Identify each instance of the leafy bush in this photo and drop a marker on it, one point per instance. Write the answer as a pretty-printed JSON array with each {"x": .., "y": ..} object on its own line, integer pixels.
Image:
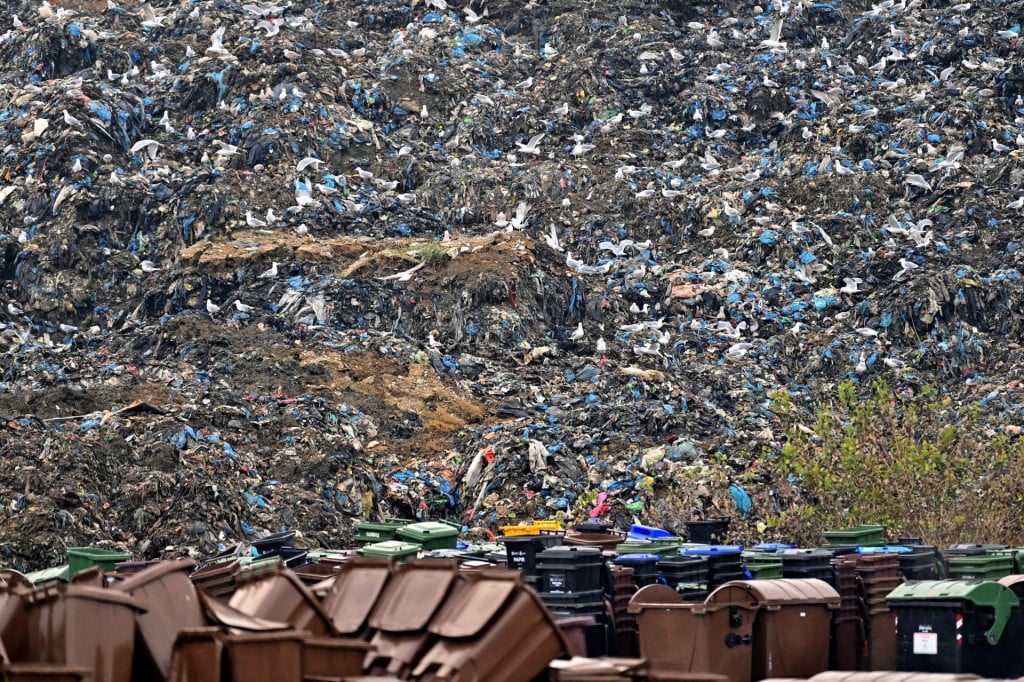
[{"x": 921, "y": 467}]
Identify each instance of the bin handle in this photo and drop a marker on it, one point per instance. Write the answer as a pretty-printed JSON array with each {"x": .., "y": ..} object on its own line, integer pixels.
[{"x": 1003, "y": 606}]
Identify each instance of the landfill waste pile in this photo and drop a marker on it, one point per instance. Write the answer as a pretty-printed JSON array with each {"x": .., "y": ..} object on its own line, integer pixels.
[{"x": 292, "y": 265}]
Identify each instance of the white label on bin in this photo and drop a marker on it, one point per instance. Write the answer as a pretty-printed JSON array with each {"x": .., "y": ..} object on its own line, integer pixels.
[{"x": 926, "y": 643}]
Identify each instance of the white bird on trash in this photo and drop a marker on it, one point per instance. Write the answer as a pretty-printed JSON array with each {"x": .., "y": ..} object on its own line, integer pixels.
[
  {"x": 531, "y": 146},
  {"x": 600, "y": 346},
  {"x": 518, "y": 221},
  {"x": 242, "y": 307},
  {"x": 906, "y": 266},
  {"x": 217, "y": 48},
  {"x": 150, "y": 146},
  {"x": 916, "y": 180},
  {"x": 71, "y": 120},
  {"x": 150, "y": 19},
  {"x": 774, "y": 43},
  {"x": 1016, "y": 204},
  {"x": 852, "y": 285},
  {"x": 253, "y": 221},
  {"x": 271, "y": 272},
  {"x": 578, "y": 333},
  {"x": 551, "y": 238},
  {"x": 212, "y": 307},
  {"x": 149, "y": 266}
]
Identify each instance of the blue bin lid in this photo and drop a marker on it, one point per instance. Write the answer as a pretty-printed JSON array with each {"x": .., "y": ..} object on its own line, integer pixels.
[
  {"x": 638, "y": 532},
  {"x": 772, "y": 546},
  {"x": 885, "y": 549},
  {"x": 638, "y": 557},
  {"x": 713, "y": 549}
]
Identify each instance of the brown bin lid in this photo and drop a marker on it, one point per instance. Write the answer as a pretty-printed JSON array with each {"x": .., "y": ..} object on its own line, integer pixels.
[
  {"x": 475, "y": 605},
  {"x": 776, "y": 593},
  {"x": 654, "y": 596},
  {"x": 413, "y": 595},
  {"x": 1011, "y": 580},
  {"x": 229, "y": 617},
  {"x": 85, "y": 592},
  {"x": 355, "y": 591},
  {"x": 152, "y": 574}
]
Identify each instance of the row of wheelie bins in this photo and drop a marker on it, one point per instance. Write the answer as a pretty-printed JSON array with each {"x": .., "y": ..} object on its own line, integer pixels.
[{"x": 753, "y": 630}]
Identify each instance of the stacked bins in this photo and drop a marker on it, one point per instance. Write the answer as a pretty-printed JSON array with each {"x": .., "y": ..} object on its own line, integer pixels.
[
  {"x": 959, "y": 626},
  {"x": 623, "y": 586},
  {"x": 594, "y": 534},
  {"x": 725, "y": 563},
  {"x": 847, "y": 621},
  {"x": 521, "y": 552},
  {"x": 877, "y": 576},
  {"x": 645, "y": 567},
  {"x": 713, "y": 636},
  {"x": 686, "y": 574},
  {"x": 90, "y": 627},
  {"x": 980, "y": 562},
  {"x": 762, "y": 565},
  {"x": 570, "y": 583},
  {"x": 856, "y": 536},
  {"x": 708, "y": 531},
  {"x": 807, "y": 563},
  {"x": 921, "y": 562}
]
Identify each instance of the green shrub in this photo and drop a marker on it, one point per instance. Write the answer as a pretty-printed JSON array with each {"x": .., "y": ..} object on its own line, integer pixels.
[{"x": 921, "y": 467}]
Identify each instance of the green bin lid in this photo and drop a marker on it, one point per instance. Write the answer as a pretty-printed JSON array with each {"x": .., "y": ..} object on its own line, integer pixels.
[
  {"x": 395, "y": 548},
  {"x": 979, "y": 592},
  {"x": 427, "y": 529}
]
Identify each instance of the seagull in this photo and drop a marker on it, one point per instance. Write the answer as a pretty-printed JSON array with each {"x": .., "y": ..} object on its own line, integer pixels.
[
  {"x": 71, "y": 120},
  {"x": 773, "y": 42},
  {"x": 518, "y": 221},
  {"x": 151, "y": 147},
  {"x": 600, "y": 346},
  {"x": 242, "y": 307},
  {"x": 212, "y": 307},
  {"x": 149, "y": 266},
  {"x": 577, "y": 333},
  {"x": 364, "y": 174},
  {"x": 581, "y": 148},
  {"x": 271, "y": 272},
  {"x": 253, "y": 221},
  {"x": 217, "y": 45},
  {"x": 471, "y": 16},
  {"x": 916, "y": 180},
  {"x": 710, "y": 162},
  {"x": 551, "y": 239},
  {"x": 852, "y": 285},
  {"x": 531, "y": 146},
  {"x": 866, "y": 331},
  {"x": 906, "y": 266},
  {"x": 150, "y": 18},
  {"x": 1016, "y": 204}
]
